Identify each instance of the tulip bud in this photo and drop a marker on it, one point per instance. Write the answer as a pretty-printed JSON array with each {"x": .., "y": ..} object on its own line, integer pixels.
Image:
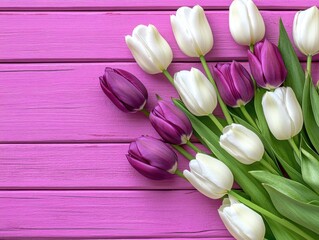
[
  {"x": 124, "y": 90},
  {"x": 267, "y": 65},
  {"x": 242, "y": 222},
  {"x": 150, "y": 50},
  {"x": 234, "y": 83},
  {"x": 192, "y": 31},
  {"x": 306, "y": 31},
  {"x": 242, "y": 143},
  {"x": 209, "y": 176},
  {"x": 283, "y": 113},
  {"x": 152, "y": 158},
  {"x": 171, "y": 123},
  {"x": 196, "y": 91},
  {"x": 245, "y": 22}
]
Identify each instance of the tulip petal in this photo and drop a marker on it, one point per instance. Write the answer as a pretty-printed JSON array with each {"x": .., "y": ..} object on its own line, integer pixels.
[
  {"x": 200, "y": 184},
  {"x": 215, "y": 171},
  {"x": 125, "y": 91},
  {"x": 141, "y": 55},
  {"x": 242, "y": 143},
  {"x": 271, "y": 65},
  {"x": 201, "y": 31},
  {"x": 182, "y": 33},
  {"x": 239, "y": 23},
  {"x": 243, "y": 85},
  {"x": 276, "y": 115},
  {"x": 112, "y": 97},
  {"x": 148, "y": 170},
  {"x": 256, "y": 69},
  {"x": 294, "y": 111},
  {"x": 256, "y": 22}
]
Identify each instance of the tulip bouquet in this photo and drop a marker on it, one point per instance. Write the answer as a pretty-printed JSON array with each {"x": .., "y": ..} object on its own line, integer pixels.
[{"x": 267, "y": 137}]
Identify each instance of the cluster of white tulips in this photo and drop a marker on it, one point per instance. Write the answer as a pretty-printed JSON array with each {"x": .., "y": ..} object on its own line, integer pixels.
[{"x": 266, "y": 138}]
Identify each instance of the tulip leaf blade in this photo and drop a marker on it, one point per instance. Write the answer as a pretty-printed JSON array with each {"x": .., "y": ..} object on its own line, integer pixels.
[
  {"x": 314, "y": 99},
  {"x": 304, "y": 214},
  {"x": 308, "y": 114},
  {"x": 310, "y": 166},
  {"x": 295, "y": 74},
  {"x": 289, "y": 187}
]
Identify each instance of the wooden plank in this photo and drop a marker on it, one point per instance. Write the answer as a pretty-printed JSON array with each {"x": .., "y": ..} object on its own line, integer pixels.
[
  {"x": 99, "y": 36},
  {"x": 75, "y": 166},
  {"x": 64, "y": 103},
  {"x": 142, "y": 4},
  {"x": 109, "y": 214}
]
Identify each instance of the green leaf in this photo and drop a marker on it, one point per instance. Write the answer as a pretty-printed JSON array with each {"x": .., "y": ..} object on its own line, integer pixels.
[
  {"x": 301, "y": 213},
  {"x": 289, "y": 187},
  {"x": 292, "y": 199},
  {"x": 310, "y": 166},
  {"x": 286, "y": 158},
  {"x": 295, "y": 76},
  {"x": 309, "y": 120},
  {"x": 314, "y": 98}
]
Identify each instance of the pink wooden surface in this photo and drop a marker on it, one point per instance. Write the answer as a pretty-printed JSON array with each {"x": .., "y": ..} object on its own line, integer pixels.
[
  {"x": 143, "y": 4},
  {"x": 105, "y": 214},
  {"x": 63, "y": 173},
  {"x": 99, "y": 36}
]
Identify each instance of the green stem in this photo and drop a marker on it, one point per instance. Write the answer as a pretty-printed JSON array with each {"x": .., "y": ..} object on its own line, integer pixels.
[
  {"x": 221, "y": 103},
  {"x": 169, "y": 76},
  {"x": 271, "y": 162},
  {"x": 146, "y": 113},
  {"x": 183, "y": 152},
  {"x": 309, "y": 60},
  {"x": 179, "y": 173},
  {"x": 247, "y": 116},
  {"x": 270, "y": 215},
  {"x": 251, "y": 48},
  {"x": 216, "y": 122},
  {"x": 268, "y": 166},
  {"x": 192, "y": 146},
  {"x": 294, "y": 147}
]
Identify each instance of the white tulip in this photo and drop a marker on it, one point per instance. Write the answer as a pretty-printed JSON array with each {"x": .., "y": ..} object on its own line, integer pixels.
[
  {"x": 242, "y": 222},
  {"x": 306, "y": 31},
  {"x": 242, "y": 143},
  {"x": 283, "y": 113},
  {"x": 150, "y": 50},
  {"x": 245, "y": 22},
  {"x": 196, "y": 91},
  {"x": 209, "y": 176},
  {"x": 192, "y": 31}
]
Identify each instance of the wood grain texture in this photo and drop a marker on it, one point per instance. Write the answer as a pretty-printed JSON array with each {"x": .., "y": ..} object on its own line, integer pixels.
[
  {"x": 99, "y": 36},
  {"x": 109, "y": 214},
  {"x": 64, "y": 103},
  {"x": 20, "y": 5},
  {"x": 75, "y": 166}
]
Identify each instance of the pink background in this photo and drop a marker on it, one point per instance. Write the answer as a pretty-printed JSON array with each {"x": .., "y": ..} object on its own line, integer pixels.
[{"x": 63, "y": 173}]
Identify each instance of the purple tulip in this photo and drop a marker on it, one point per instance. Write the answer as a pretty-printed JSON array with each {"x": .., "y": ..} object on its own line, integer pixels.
[
  {"x": 234, "y": 83},
  {"x": 152, "y": 158},
  {"x": 171, "y": 123},
  {"x": 124, "y": 90},
  {"x": 267, "y": 65}
]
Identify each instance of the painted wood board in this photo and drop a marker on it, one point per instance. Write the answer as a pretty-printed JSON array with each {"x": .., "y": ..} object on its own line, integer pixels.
[
  {"x": 142, "y": 4},
  {"x": 99, "y": 36},
  {"x": 76, "y": 166},
  {"x": 64, "y": 103},
  {"x": 109, "y": 214}
]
